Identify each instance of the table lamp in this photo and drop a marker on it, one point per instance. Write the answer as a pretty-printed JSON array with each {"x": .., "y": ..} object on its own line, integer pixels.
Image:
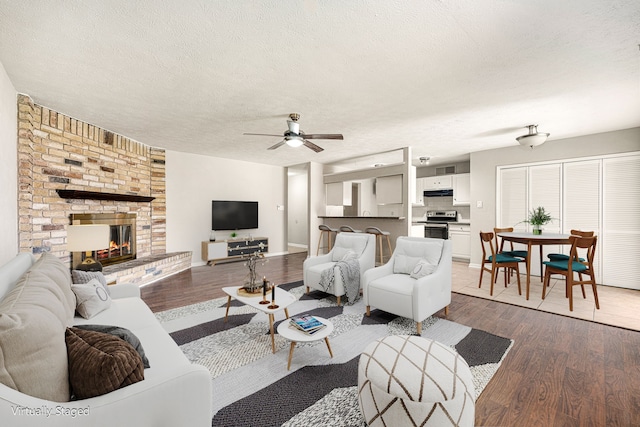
[{"x": 88, "y": 238}]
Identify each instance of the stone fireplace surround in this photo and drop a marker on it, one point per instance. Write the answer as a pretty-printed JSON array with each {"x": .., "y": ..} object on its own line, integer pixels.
[{"x": 58, "y": 153}]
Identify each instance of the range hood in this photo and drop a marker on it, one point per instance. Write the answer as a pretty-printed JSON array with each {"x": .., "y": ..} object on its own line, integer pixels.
[{"x": 438, "y": 193}]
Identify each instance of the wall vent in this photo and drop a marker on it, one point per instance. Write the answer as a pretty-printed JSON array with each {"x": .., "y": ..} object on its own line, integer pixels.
[{"x": 446, "y": 170}]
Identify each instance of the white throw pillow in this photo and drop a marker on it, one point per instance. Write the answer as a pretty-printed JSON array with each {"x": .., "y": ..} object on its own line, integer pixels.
[
  {"x": 423, "y": 268},
  {"x": 350, "y": 242},
  {"x": 350, "y": 255},
  {"x": 92, "y": 298}
]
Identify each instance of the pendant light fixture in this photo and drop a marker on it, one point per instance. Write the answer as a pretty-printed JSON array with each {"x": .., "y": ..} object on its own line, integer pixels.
[{"x": 533, "y": 139}]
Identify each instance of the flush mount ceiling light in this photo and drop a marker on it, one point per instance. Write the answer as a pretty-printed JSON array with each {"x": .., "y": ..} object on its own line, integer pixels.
[
  {"x": 533, "y": 139},
  {"x": 424, "y": 160}
]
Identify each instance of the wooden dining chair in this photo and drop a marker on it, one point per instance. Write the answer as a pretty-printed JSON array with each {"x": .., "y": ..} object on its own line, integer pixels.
[
  {"x": 573, "y": 265},
  {"x": 510, "y": 249},
  {"x": 497, "y": 261},
  {"x": 564, "y": 257}
]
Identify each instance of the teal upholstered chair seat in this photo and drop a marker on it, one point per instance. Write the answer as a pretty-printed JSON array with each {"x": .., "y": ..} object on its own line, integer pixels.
[
  {"x": 561, "y": 257},
  {"x": 576, "y": 266},
  {"x": 502, "y": 258},
  {"x": 518, "y": 254}
]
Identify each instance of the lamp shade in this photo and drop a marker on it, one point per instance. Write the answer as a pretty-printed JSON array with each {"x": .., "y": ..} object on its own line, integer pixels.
[{"x": 90, "y": 237}]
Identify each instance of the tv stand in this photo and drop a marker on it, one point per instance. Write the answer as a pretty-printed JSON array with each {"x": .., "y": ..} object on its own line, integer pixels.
[{"x": 233, "y": 249}]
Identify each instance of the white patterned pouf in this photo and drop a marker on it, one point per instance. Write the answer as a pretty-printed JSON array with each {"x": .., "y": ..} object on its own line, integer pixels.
[{"x": 406, "y": 380}]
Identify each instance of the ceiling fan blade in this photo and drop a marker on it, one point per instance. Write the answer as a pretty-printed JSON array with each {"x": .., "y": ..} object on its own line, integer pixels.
[
  {"x": 312, "y": 146},
  {"x": 262, "y": 134},
  {"x": 324, "y": 136},
  {"x": 274, "y": 146}
]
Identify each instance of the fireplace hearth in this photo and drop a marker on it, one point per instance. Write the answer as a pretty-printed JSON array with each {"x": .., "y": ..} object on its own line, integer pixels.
[{"x": 122, "y": 245}]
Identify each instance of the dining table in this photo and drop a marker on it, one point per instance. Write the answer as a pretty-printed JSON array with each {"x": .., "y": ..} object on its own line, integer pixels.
[{"x": 530, "y": 240}]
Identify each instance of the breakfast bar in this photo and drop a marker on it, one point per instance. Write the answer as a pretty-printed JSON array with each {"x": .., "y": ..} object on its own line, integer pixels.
[{"x": 395, "y": 225}]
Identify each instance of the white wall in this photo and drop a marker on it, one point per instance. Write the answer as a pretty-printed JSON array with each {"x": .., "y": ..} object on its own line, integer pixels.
[
  {"x": 9, "y": 169},
  {"x": 193, "y": 181},
  {"x": 484, "y": 166}
]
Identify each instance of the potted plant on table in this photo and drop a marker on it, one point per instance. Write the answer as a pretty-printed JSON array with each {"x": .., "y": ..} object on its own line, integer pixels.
[{"x": 537, "y": 218}]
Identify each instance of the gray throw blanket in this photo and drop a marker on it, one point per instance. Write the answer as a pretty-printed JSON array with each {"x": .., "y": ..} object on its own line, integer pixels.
[{"x": 350, "y": 274}]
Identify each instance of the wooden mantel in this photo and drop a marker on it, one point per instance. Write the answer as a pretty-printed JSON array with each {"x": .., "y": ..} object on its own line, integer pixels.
[{"x": 96, "y": 195}]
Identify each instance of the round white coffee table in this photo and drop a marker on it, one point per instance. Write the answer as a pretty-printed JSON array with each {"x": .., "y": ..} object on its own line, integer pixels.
[{"x": 295, "y": 335}]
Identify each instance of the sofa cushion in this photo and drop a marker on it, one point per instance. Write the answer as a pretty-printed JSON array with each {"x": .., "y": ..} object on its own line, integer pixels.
[
  {"x": 409, "y": 252},
  {"x": 92, "y": 298},
  {"x": 33, "y": 318},
  {"x": 100, "y": 363},
  {"x": 122, "y": 333}
]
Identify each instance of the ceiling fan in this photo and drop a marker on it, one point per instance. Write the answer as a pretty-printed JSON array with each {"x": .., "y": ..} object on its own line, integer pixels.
[{"x": 294, "y": 137}]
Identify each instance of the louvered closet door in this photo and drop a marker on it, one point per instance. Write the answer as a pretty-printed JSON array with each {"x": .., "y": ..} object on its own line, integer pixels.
[
  {"x": 544, "y": 190},
  {"x": 581, "y": 203},
  {"x": 620, "y": 246},
  {"x": 512, "y": 198}
]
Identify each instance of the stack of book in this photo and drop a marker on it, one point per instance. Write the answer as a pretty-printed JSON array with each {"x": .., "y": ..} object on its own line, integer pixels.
[{"x": 307, "y": 324}]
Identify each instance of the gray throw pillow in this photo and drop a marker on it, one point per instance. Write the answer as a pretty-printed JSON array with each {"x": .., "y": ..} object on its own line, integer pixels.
[
  {"x": 122, "y": 333},
  {"x": 80, "y": 277}
]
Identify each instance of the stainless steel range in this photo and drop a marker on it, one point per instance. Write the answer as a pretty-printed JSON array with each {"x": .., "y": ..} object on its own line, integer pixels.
[{"x": 437, "y": 225}]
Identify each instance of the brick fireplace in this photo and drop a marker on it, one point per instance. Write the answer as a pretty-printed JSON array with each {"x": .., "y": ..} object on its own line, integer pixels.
[{"x": 100, "y": 173}]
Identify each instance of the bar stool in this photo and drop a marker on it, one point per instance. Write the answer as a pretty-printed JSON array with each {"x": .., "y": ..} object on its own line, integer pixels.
[
  {"x": 379, "y": 234},
  {"x": 328, "y": 230},
  {"x": 347, "y": 229}
]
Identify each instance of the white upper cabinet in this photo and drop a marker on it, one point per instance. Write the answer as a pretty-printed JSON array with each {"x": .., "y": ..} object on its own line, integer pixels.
[
  {"x": 389, "y": 190},
  {"x": 462, "y": 189},
  {"x": 420, "y": 191},
  {"x": 442, "y": 182}
]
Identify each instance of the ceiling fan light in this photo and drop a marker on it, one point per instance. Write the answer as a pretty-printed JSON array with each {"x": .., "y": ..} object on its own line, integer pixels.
[
  {"x": 294, "y": 141},
  {"x": 533, "y": 139}
]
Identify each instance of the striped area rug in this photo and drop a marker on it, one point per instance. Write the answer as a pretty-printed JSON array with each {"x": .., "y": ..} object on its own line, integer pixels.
[{"x": 252, "y": 386}]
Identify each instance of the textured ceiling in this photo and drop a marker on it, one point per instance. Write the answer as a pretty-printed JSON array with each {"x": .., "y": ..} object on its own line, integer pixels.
[{"x": 444, "y": 77}]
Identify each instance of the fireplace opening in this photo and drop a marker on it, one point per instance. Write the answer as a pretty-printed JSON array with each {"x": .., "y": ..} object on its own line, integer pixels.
[{"x": 122, "y": 232}]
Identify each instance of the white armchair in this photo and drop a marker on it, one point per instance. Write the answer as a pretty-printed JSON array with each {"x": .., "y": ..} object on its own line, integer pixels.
[
  {"x": 415, "y": 283},
  {"x": 362, "y": 244}
]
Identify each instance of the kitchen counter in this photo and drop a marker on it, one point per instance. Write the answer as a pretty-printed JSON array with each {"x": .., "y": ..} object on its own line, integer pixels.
[{"x": 364, "y": 217}]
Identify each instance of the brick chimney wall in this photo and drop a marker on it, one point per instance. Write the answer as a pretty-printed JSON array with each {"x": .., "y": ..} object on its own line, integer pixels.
[{"x": 59, "y": 152}]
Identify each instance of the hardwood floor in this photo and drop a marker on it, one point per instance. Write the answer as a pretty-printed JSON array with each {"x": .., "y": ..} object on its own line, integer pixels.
[{"x": 561, "y": 371}]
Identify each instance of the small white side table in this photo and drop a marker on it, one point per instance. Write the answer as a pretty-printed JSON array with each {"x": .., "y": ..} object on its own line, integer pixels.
[
  {"x": 283, "y": 300},
  {"x": 296, "y": 335}
]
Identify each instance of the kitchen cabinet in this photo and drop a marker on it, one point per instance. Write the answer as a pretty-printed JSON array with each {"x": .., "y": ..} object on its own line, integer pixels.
[
  {"x": 460, "y": 236},
  {"x": 420, "y": 182},
  {"x": 389, "y": 190},
  {"x": 339, "y": 194},
  {"x": 442, "y": 182},
  {"x": 462, "y": 189}
]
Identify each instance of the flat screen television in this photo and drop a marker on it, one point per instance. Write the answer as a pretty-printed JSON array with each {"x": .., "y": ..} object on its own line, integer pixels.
[{"x": 233, "y": 215}]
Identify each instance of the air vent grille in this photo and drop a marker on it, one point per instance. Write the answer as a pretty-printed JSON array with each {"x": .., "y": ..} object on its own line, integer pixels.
[{"x": 446, "y": 170}]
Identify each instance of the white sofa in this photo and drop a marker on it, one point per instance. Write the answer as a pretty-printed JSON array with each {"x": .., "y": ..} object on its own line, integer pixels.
[
  {"x": 174, "y": 391},
  {"x": 403, "y": 288},
  {"x": 363, "y": 245}
]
